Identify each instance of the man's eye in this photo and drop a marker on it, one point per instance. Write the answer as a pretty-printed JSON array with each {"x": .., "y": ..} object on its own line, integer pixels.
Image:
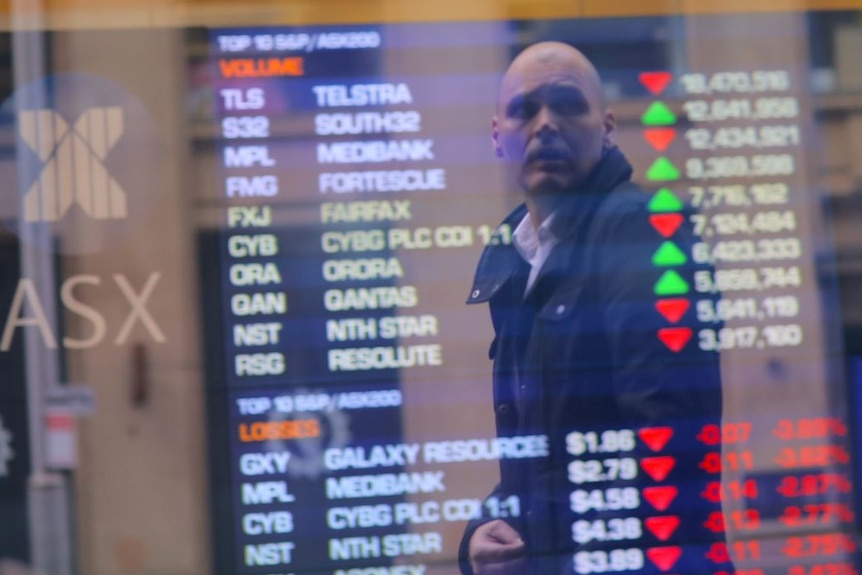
[
  {"x": 521, "y": 109},
  {"x": 570, "y": 106},
  {"x": 568, "y": 102}
]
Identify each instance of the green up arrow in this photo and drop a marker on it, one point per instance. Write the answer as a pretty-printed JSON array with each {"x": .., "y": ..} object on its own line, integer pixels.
[
  {"x": 671, "y": 283},
  {"x": 665, "y": 201},
  {"x": 668, "y": 254},
  {"x": 658, "y": 114},
  {"x": 662, "y": 170}
]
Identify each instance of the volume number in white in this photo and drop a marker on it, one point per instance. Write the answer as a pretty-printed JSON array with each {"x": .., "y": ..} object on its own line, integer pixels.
[
  {"x": 775, "y": 108},
  {"x": 737, "y": 137},
  {"x": 736, "y": 195},
  {"x": 750, "y": 337},
  {"x": 733, "y": 251},
  {"x": 747, "y": 308},
  {"x": 726, "y": 224},
  {"x": 744, "y": 279},
  {"x": 736, "y": 82},
  {"x": 740, "y": 166}
]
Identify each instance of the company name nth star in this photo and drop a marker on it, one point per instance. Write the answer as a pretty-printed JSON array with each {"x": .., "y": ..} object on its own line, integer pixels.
[{"x": 78, "y": 168}]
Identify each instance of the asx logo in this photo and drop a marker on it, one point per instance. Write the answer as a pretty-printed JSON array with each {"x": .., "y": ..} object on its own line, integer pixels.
[{"x": 74, "y": 171}]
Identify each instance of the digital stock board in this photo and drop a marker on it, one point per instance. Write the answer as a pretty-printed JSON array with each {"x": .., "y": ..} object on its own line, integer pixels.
[{"x": 356, "y": 189}]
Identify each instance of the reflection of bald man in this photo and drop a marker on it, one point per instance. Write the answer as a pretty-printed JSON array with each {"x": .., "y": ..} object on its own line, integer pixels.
[
  {"x": 571, "y": 301},
  {"x": 552, "y": 125}
]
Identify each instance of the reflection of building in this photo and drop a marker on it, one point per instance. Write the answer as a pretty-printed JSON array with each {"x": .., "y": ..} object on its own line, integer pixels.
[
  {"x": 140, "y": 491},
  {"x": 137, "y": 500}
]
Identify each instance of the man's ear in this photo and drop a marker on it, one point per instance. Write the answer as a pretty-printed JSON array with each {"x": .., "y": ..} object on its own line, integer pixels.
[
  {"x": 495, "y": 137},
  {"x": 610, "y": 122}
]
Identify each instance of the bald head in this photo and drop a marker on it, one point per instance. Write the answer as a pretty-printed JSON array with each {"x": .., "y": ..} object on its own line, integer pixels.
[
  {"x": 553, "y": 56},
  {"x": 552, "y": 124}
]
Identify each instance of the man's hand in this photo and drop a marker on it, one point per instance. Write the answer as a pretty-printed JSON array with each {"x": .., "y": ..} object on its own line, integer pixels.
[{"x": 497, "y": 549}]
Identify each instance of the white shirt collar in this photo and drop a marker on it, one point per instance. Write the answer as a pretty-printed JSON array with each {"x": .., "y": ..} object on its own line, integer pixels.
[
  {"x": 534, "y": 245},
  {"x": 528, "y": 239}
]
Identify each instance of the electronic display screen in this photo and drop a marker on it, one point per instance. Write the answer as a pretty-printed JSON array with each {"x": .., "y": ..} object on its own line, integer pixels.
[{"x": 357, "y": 187}]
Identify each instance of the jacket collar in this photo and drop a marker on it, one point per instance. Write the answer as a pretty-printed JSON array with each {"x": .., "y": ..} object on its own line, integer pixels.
[
  {"x": 500, "y": 262},
  {"x": 579, "y": 204}
]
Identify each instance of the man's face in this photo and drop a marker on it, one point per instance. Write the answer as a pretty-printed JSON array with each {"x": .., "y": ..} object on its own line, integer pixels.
[{"x": 552, "y": 126}]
